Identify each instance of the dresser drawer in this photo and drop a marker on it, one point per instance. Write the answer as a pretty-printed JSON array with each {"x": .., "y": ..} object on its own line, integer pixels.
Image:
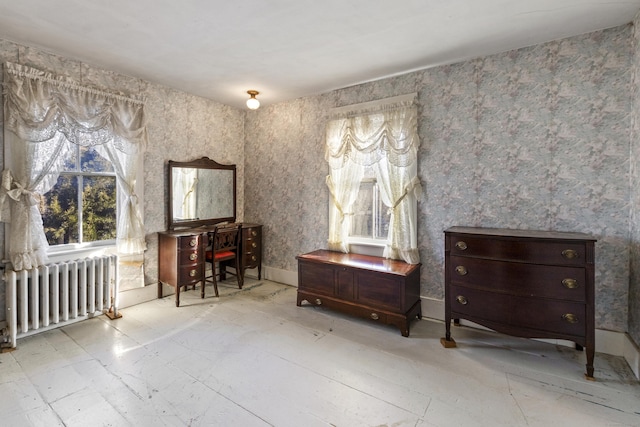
[
  {"x": 566, "y": 283},
  {"x": 521, "y": 312},
  {"x": 543, "y": 252}
]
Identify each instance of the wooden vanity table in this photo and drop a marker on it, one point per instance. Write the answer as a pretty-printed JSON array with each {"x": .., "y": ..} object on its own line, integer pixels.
[
  {"x": 181, "y": 255},
  {"x": 202, "y": 194}
]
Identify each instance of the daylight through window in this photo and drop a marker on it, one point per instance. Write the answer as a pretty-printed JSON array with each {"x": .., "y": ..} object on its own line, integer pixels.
[{"x": 81, "y": 207}]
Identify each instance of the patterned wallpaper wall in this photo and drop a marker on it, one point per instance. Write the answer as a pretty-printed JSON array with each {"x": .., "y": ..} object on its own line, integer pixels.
[
  {"x": 634, "y": 284},
  {"x": 181, "y": 127},
  {"x": 536, "y": 138}
]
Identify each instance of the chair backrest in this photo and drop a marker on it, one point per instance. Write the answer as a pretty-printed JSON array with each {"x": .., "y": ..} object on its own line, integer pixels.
[{"x": 226, "y": 238}]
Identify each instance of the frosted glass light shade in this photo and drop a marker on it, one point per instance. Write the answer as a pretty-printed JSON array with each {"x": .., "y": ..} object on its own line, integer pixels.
[{"x": 253, "y": 103}]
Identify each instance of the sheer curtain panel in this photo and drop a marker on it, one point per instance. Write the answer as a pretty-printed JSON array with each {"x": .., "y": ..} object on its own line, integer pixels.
[
  {"x": 44, "y": 116},
  {"x": 382, "y": 135}
]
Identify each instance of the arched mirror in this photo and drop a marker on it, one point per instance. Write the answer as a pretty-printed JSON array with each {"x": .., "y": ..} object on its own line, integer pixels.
[{"x": 201, "y": 192}]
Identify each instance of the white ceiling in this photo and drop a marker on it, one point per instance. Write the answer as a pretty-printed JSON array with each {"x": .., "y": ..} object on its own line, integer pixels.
[{"x": 288, "y": 49}]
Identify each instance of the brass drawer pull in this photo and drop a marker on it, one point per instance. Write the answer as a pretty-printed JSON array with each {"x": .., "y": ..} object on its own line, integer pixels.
[
  {"x": 318, "y": 301},
  {"x": 253, "y": 258},
  {"x": 193, "y": 273},
  {"x": 461, "y": 270},
  {"x": 193, "y": 242},
  {"x": 570, "y": 318},
  {"x": 254, "y": 233},
  {"x": 461, "y": 245},
  {"x": 374, "y": 316},
  {"x": 569, "y": 254},
  {"x": 193, "y": 256},
  {"x": 254, "y": 245},
  {"x": 462, "y": 300},
  {"x": 570, "y": 283}
]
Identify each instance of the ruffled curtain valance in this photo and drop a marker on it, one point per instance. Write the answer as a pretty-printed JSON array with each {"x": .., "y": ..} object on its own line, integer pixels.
[
  {"x": 45, "y": 115},
  {"x": 383, "y": 136}
]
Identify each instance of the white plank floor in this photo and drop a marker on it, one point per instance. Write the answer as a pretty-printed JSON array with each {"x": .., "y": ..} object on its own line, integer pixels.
[{"x": 252, "y": 358}]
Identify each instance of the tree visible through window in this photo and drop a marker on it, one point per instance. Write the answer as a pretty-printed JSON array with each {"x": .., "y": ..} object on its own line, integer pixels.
[{"x": 81, "y": 207}]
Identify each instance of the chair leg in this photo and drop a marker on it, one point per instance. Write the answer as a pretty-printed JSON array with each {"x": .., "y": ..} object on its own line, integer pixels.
[
  {"x": 215, "y": 283},
  {"x": 239, "y": 274}
]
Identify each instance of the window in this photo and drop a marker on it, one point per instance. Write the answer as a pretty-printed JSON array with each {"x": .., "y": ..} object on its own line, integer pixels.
[
  {"x": 81, "y": 206},
  {"x": 370, "y": 216}
]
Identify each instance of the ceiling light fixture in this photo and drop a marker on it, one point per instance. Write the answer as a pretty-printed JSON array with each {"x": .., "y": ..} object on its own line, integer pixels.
[{"x": 253, "y": 103}]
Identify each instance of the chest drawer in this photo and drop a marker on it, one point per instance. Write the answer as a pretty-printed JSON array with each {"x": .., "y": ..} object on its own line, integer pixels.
[
  {"x": 536, "y": 252},
  {"x": 519, "y": 312},
  {"x": 567, "y": 283},
  {"x": 189, "y": 256}
]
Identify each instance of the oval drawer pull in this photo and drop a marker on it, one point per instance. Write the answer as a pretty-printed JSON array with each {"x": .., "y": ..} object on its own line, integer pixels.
[
  {"x": 254, "y": 245},
  {"x": 193, "y": 273},
  {"x": 569, "y": 254},
  {"x": 462, "y": 300},
  {"x": 253, "y": 258},
  {"x": 374, "y": 316},
  {"x": 193, "y": 242},
  {"x": 254, "y": 233},
  {"x": 570, "y": 318},
  {"x": 193, "y": 256},
  {"x": 570, "y": 283},
  {"x": 461, "y": 245},
  {"x": 461, "y": 270},
  {"x": 318, "y": 301}
]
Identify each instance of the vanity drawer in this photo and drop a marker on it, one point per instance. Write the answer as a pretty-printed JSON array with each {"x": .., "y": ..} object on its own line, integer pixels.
[
  {"x": 189, "y": 257},
  {"x": 251, "y": 246},
  {"x": 542, "y": 252},
  {"x": 189, "y": 242},
  {"x": 566, "y": 283},
  {"x": 191, "y": 273}
]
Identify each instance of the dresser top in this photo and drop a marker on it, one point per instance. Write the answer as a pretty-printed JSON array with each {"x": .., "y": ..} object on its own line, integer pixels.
[
  {"x": 532, "y": 234},
  {"x": 364, "y": 262}
]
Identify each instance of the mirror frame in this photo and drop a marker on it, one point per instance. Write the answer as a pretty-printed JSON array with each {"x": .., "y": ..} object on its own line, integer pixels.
[{"x": 202, "y": 163}]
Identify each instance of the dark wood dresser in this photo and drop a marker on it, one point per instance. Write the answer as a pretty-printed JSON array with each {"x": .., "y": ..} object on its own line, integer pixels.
[
  {"x": 181, "y": 255},
  {"x": 383, "y": 290},
  {"x": 533, "y": 284}
]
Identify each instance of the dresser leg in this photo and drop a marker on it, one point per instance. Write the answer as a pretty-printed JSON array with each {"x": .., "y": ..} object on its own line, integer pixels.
[
  {"x": 177, "y": 296},
  {"x": 589, "y": 374}
]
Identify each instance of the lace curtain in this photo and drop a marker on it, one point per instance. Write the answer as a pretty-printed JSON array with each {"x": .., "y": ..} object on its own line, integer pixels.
[
  {"x": 384, "y": 137},
  {"x": 44, "y": 116}
]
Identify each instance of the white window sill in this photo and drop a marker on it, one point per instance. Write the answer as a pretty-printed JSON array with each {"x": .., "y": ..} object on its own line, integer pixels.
[
  {"x": 371, "y": 247},
  {"x": 74, "y": 252}
]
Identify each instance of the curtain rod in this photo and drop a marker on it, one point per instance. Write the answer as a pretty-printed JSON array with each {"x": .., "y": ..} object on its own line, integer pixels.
[
  {"x": 36, "y": 74},
  {"x": 372, "y": 105}
]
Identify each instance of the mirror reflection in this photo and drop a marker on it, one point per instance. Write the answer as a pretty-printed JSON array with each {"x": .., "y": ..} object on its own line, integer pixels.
[{"x": 202, "y": 192}]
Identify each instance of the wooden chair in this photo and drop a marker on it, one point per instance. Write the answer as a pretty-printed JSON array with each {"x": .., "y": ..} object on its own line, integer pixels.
[{"x": 224, "y": 247}]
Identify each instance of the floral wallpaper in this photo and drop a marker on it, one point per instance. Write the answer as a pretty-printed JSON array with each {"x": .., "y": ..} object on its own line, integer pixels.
[
  {"x": 181, "y": 127},
  {"x": 536, "y": 138},
  {"x": 634, "y": 283}
]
